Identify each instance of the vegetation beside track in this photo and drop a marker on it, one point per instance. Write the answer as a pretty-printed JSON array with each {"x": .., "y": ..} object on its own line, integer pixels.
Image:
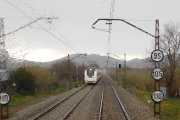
[
  {"x": 140, "y": 83},
  {"x": 19, "y": 101},
  {"x": 45, "y": 84}
]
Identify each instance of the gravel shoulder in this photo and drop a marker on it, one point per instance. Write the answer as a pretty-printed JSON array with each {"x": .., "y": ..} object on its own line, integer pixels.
[
  {"x": 135, "y": 108},
  {"x": 32, "y": 110}
]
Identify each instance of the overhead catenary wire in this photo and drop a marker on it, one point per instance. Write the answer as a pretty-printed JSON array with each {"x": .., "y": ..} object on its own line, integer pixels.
[
  {"x": 18, "y": 9},
  {"x": 50, "y": 32},
  {"x": 64, "y": 41},
  {"x": 57, "y": 31}
]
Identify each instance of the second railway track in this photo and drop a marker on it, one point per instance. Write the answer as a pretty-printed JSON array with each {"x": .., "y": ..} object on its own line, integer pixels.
[{"x": 63, "y": 108}]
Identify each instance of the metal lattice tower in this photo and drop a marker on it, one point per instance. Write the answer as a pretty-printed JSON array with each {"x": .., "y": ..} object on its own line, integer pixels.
[
  {"x": 3, "y": 53},
  {"x": 2, "y": 43}
]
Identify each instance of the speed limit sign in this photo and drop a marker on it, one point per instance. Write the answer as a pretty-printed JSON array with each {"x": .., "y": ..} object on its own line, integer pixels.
[
  {"x": 157, "y": 73},
  {"x": 157, "y": 96},
  {"x": 4, "y": 98},
  {"x": 157, "y": 55}
]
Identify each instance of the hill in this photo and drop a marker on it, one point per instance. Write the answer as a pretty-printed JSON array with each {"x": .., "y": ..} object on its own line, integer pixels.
[{"x": 91, "y": 59}]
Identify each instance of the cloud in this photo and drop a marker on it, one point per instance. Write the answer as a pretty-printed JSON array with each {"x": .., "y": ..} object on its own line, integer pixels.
[{"x": 43, "y": 55}]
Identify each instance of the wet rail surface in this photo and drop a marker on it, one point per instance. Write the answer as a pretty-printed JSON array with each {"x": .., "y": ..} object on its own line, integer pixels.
[
  {"x": 58, "y": 110},
  {"x": 108, "y": 106}
]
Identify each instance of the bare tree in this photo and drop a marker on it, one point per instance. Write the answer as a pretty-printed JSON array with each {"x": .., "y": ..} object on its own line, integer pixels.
[
  {"x": 61, "y": 70},
  {"x": 170, "y": 45}
]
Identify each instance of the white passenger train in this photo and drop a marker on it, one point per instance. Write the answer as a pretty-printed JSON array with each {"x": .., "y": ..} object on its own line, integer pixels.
[{"x": 91, "y": 75}]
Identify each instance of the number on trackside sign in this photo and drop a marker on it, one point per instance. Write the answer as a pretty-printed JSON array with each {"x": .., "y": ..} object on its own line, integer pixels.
[
  {"x": 157, "y": 73},
  {"x": 157, "y": 55},
  {"x": 157, "y": 96},
  {"x": 4, "y": 98}
]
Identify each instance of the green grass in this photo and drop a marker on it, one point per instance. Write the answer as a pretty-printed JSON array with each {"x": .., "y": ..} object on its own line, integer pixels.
[
  {"x": 140, "y": 83},
  {"x": 170, "y": 108},
  {"x": 20, "y": 101},
  {"x": 142, "y": 95}
]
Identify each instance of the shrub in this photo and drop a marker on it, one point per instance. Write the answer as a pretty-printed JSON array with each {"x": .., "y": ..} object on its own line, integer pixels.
[
  {"x": 44, "y": 79},
  {"x": 24, "y": 80}
]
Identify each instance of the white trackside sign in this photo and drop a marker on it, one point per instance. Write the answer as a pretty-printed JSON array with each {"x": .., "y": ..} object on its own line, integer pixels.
[
  {"x": 157, "y": 96},
  {"x": 157, "y": 73},
  {"x": 4, "y": 98},
  {"x": 157, "y": 55}
]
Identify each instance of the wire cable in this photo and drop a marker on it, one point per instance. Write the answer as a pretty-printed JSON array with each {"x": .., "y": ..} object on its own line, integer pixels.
[
  {"x": 66, "y": 44},
  {"x": 62, "y": 40}
]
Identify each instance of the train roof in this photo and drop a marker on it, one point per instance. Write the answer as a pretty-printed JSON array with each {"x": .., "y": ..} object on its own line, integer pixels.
[{"x": 88, "y": 67}]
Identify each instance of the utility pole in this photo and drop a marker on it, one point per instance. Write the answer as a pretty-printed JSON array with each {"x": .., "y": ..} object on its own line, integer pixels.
[
  {"x": 3, "y": 70},
  {"x": 2, "y": 43},
  {"x": 77, "y": 74},
  {"x": 68, "y": 80},
  {"x": 116, "y": 71},
  {"x": 157, "y": 105},
  {"x": 125, "y": 72},
  {"x": 68, "y": 73},
  {"x": 3, "y": 53},
  {"x": 83, "y": 71}
]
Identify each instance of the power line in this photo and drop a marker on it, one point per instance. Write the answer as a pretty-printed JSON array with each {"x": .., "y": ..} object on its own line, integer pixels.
[
  {"x": 65, "y": 39},
  {"x": 66, "y": 44},
  {"x": 10, "y": 3},
  {"x": 60, "y": 40}
]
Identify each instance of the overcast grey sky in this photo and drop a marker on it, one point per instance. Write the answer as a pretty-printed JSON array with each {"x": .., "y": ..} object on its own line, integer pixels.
[{"x": 73, "y": 26}]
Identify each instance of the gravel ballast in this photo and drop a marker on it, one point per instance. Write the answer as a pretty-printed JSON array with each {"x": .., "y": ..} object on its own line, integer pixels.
[
  {"x": 32, "y": 110},
  {"x": 88, "y": 108}
]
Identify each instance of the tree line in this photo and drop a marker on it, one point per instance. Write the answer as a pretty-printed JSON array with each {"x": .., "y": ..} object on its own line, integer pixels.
[{"x": 31, "y": 79}]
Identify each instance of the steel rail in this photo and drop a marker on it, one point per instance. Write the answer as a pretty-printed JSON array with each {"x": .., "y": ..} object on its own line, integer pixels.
[
  {"x": 39, "y": 115},
  {"x": 121, "y": 104},
  {"x": 101, "y": 105},
  {"x": 76, "y": 105}
]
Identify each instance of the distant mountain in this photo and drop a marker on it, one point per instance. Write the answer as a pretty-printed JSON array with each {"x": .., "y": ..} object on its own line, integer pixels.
[
  {"x": 94, "y": 58},
  {"x": 138, "y": 63}
]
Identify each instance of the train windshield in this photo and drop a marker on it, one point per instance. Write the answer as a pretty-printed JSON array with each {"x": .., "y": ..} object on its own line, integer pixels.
[{"x": 90, "y": 72}]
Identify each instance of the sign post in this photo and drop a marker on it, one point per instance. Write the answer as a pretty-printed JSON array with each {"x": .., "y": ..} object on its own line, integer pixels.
[
  {"x": 157, "y": 73},
  {"x": 4, "y": 100}
]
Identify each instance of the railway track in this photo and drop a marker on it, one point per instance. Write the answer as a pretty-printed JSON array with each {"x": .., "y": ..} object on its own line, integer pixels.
[
  {"x": 54, "y": 112},
  {"x": 101, "y": 106},
  {"x": 41, "y": 115},
  {"x": 121, "y": 104},
  {"x": 74, "y": 107}
]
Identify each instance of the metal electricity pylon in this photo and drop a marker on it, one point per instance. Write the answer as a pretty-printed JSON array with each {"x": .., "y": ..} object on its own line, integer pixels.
[
  {"x": 4, "y": 72},
  {"x": 3, "y": 53}
]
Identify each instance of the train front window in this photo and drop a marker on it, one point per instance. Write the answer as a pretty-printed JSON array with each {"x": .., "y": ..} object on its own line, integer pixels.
[{"x": 90, "y": 73}]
